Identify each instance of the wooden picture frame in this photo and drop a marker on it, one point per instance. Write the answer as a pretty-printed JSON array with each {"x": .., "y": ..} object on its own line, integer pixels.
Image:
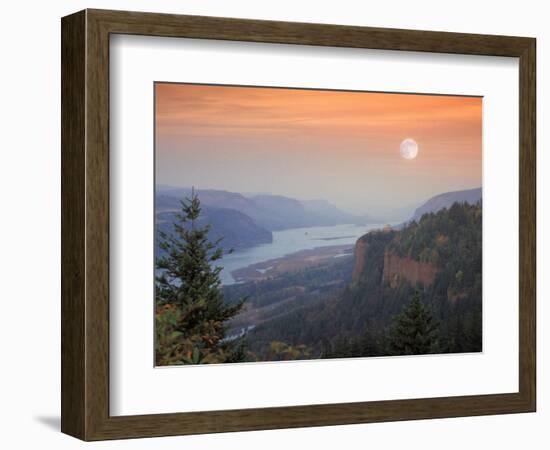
[{"x": 85, "y": 224}]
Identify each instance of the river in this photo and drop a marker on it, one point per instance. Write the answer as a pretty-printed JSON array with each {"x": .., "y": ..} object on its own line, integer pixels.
[{"x": 290, "y": 241}]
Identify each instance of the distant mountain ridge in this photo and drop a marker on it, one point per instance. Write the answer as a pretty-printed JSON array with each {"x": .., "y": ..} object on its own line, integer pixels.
[
  {"x": 446, "y": 200},
  {"x": 327, "y": 211},
  {"x": 272, "y": 212},
  {"x": 236, "y": 229}
]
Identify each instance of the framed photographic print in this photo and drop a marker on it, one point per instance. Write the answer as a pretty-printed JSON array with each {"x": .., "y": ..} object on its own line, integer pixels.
[{"x": 271, "y": 224}]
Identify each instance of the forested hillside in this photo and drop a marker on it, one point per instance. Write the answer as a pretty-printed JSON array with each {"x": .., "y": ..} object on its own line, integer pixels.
[
  {"x": 446, "y": 200},
  {"x": 379, "y": 314}
]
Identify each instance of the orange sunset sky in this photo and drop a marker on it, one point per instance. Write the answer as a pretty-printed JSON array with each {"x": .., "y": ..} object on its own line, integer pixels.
[{"x": 318, "y": 144}]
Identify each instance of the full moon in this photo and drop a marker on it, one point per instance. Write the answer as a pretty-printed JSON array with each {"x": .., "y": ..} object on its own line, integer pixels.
[{"x": 408, "y": 148}]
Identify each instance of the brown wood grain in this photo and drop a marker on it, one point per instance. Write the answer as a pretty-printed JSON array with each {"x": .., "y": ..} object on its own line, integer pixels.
[
  {"x": 85, "y": 224},
  {"x": 73, "y": 108},
  {"x": 527, "y": 224}
]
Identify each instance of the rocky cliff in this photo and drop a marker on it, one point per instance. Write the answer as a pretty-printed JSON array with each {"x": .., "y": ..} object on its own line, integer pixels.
[
  {"x": 397, "y": 268},
  {"x": 371, "y": 255},
  {"x": 360, "y": 255}
]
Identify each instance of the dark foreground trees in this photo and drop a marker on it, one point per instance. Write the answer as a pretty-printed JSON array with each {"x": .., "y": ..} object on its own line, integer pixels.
[
  {"x": 414, "y": 330},
  {"x": 191, "y": 315}
]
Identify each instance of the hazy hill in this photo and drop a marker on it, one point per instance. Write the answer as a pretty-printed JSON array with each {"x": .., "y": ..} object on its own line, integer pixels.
[
  {"x": 272, "y": 212},
  {"x": 237, "y": 229},
  {"x": 211, "y": 197},
  {"x": 277, "y": 212},
  {"x": 445, "y": 200},
  {"x": 326, "y": 211}
]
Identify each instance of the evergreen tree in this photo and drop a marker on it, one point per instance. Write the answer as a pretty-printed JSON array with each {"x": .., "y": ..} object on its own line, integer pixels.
[
  {"x": 414, "y": 331},
  {"x": 191, "y": 313}
]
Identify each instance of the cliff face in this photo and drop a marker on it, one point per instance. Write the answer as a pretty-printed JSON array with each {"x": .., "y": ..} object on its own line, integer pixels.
[
  {"x": 360, "y": 255},
  {"x": 396, "y": 268},
  {"x": 374, "y": 261}
]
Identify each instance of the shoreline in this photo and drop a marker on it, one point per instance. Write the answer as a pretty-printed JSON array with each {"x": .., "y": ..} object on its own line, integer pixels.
[{"x": 292, "y": 262}]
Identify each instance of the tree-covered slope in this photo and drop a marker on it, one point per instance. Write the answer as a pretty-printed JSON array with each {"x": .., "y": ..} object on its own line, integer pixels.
[
  {"x": 359, "y": 319},
  {"x": 446, "y": 200}
]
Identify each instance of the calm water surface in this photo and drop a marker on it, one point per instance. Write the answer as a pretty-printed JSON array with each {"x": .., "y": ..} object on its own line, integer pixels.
[{"x": 292, "y": 241}]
